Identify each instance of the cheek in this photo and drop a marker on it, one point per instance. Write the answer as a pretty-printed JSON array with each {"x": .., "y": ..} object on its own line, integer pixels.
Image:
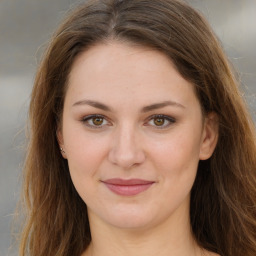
[
  {"x": 84, "y": 152},
  {"x": 177, "y": 156},
  {"x": 85, "y": 155}
]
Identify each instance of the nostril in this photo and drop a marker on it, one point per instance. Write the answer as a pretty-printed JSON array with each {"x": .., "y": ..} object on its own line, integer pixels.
[
  {"x": 126, "y": 150},
  {"x": 126, "y": 157}
]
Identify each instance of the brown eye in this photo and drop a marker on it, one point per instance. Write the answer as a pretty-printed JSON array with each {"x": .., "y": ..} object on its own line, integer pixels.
[
  {"x": 159, "y": 121},
  {"x": 97, "y": 121}
]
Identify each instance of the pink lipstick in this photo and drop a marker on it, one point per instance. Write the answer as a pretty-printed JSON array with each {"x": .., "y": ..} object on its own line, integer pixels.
[{"x": 128, "y": 187}]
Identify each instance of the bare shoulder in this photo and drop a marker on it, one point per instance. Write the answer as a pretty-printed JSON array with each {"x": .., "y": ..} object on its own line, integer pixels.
[
  {"x": 208, "y": 253},
  {"x": 211, "y": 254}
]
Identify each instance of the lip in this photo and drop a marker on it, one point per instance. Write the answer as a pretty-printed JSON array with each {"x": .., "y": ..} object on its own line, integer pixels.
[{"x": 129, "y": 187}]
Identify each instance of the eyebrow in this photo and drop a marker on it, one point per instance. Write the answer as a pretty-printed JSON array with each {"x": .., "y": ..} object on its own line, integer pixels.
[
  {"x": 145, "y": 109},
  {"x": 92, "y": 103},
  {"x": 161, "y": 105}
]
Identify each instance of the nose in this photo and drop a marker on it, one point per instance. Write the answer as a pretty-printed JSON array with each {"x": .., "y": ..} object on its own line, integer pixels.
[{"x": 126, "y": 150}]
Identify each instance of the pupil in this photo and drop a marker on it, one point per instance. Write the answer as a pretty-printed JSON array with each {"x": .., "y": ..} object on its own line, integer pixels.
[
  {"x": 159, "y": 121},
  {"x": 98, "y": 121}
]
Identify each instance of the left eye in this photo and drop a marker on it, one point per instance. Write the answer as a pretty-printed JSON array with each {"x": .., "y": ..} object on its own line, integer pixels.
[
  {"x": 161, "y": 121},
  {"x": 95, "y": 121}
]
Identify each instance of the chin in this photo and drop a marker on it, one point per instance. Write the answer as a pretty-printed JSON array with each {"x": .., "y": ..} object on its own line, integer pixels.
[
  {"x": 131, "y": 223},
  {"x": 130, "y": 218}
]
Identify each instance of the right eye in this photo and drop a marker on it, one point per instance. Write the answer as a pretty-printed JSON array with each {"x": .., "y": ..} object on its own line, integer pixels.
[
  {"x": 95, "y": 121},
  {"x": 160, "y": 121}
]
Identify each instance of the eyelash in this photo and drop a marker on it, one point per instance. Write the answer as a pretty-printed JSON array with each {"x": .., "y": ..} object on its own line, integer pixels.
[
  {"x": 168, "y": 119},
  {"x": 89, "y": 118}
]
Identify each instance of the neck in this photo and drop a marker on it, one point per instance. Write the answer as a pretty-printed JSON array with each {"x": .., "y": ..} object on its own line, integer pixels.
[{"x": 173, "y": 237}]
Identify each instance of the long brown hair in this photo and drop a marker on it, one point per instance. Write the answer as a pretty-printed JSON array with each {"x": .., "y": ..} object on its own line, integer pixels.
[{"x": 223, "y": 198}]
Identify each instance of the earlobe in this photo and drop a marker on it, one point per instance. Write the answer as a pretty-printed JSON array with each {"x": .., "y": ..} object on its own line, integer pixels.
[
  {"x": 210, "y": 136},
  {"x": 61, "y": 142}
]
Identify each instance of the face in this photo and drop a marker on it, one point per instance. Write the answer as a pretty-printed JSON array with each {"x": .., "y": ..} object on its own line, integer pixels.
[{"x": 133, "y": 134}]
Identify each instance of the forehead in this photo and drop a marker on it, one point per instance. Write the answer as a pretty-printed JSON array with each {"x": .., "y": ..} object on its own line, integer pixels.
[{"x": 122, "y": 71}]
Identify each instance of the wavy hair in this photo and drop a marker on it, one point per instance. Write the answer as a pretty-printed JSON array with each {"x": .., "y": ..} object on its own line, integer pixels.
[{"x": 223, "y": 198}]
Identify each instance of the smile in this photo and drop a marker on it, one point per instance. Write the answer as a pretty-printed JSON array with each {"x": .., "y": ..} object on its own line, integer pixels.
[{"x": 127, "y": 187}]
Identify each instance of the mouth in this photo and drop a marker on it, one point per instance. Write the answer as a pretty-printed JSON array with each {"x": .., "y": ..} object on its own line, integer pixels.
[{"x": 129, "y": 187}]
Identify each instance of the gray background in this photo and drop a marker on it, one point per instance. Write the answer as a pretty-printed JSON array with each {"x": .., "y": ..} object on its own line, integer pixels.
[{"x": 26, "y": 26}]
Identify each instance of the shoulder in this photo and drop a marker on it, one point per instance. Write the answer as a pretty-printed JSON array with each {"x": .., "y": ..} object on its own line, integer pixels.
[
  {"x": 212, "y": 254},
  {"x": 207, "y": 253}
]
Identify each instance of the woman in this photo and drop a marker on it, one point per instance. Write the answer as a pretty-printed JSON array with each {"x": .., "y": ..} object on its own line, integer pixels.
[{"x": 140, "y": 143}]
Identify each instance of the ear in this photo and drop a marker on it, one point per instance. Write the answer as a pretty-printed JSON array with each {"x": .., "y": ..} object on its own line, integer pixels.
[
  {"x": 61, "y": 141},
  {"x": 209, "y": 136}
]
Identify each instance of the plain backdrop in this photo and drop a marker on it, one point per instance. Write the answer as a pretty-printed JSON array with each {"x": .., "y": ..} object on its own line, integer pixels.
[{"x": 26, "y": 26}]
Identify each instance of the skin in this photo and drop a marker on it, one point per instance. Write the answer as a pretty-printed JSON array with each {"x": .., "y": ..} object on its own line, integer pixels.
[{"x": 126, "y": 87}]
